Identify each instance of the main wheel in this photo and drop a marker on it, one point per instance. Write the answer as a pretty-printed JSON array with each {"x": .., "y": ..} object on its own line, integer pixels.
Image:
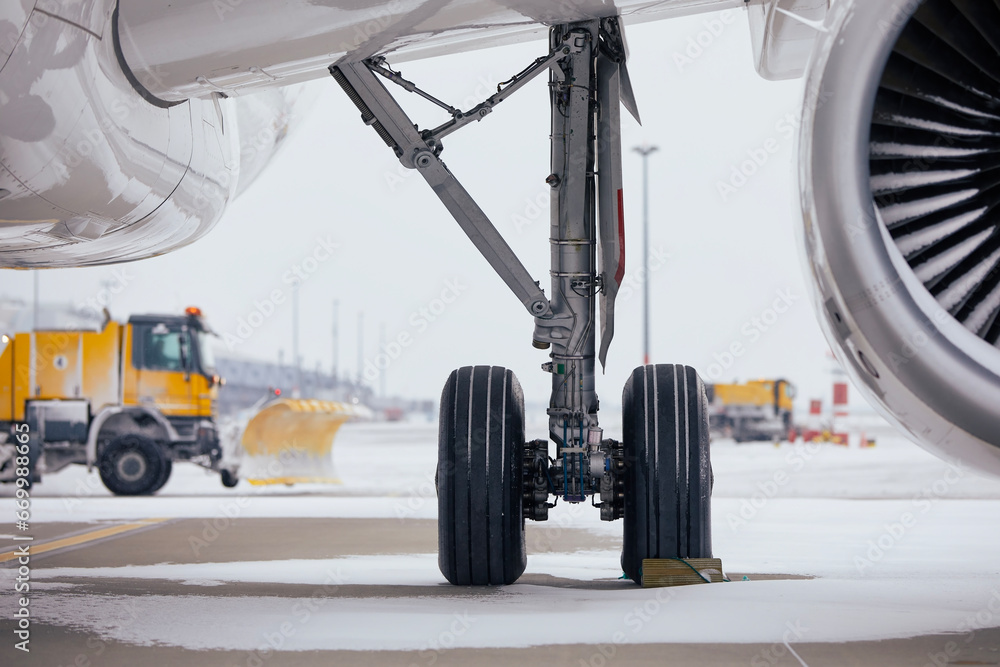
[
  {"x": 479, "y": 477},
  {"x": 668, "y": 472},
  {"x": 131, "y": 465}
]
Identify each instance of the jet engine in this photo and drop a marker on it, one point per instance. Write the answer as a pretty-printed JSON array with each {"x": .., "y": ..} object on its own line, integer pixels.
[
  {"x": 94, "y": 168},
  {"x": 899, "y": 181}
]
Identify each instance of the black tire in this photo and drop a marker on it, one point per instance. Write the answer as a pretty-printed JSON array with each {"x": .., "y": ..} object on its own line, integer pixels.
[
  {"x": 168, "y": 467},
  {"x": 229, "y": 480},
  {"x": 131, "y": 465},
  {"x": 668, "y": 471},
  {"x": 738, "y": 435},
  {"x": 479, "y": 478}
]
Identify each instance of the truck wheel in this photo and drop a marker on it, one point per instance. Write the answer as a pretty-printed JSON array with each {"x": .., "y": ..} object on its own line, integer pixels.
[
  {"x": 738, "y": 436},
  {"x": 229, "y": 480},
  {"x": 479, "y": 478},
  {"x": 668, "y": 472},
  {"x": 131, "y": 465},
  {"x": 168, "y": 467}
]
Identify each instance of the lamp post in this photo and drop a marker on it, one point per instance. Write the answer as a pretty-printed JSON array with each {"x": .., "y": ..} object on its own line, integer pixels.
[
  {"x": 34, "y": 303},
  {"x": 336, "y": 340},
  {"x": 296, "y": 357},
  {"x": 361, "y": 346},
  {"x": 645, "y": 151},
  {"x": 381, "y": 345}
]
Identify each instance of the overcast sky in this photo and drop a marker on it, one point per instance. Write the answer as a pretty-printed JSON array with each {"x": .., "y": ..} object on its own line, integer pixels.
[{"x": 720, "y": 261}]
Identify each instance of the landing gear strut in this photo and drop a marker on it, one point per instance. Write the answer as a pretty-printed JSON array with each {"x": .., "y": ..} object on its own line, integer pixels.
[{"x": 489, "y": 478}]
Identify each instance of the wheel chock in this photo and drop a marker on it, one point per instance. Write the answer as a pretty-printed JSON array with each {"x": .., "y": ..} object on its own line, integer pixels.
[{"x": 661, "y": 572}]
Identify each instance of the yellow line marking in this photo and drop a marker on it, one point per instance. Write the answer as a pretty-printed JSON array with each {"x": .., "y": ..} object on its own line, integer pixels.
[
  {"x": 294, "y": 480},
  {"x": 79, "y": 539}
]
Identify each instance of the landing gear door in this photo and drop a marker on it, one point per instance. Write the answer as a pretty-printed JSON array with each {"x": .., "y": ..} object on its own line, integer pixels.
[{"x": 611, "y": 214}]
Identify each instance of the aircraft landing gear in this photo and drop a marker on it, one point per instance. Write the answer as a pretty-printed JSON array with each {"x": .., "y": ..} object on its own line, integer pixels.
[{"x": 489, "y": 478}]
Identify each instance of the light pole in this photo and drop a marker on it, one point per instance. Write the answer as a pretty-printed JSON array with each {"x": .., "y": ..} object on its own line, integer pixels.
[
  {"x": 34, "y": 305},
  {"x": 361, "y": 346},
  {"x": 296, "y": 357},
  {"x": 645, "y": 151},
  {"x": 336, "y": 339},
  {"x": 381, "y": 344}
]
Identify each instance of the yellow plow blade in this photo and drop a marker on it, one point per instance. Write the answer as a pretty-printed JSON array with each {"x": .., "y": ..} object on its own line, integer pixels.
[{"x": 290, "y": 441}]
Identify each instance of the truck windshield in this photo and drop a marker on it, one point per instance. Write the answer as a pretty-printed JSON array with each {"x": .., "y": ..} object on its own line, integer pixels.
[
  {"x": 173, "y": 347},
  {"x": 205, "y": 354}
]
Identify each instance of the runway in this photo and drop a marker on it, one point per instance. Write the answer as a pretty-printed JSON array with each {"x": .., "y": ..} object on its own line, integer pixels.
[{"x": 202, "y": 575}]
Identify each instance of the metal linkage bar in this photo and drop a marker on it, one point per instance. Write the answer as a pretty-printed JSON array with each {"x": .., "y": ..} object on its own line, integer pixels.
[
  {"x": 379, "y": 66},
  {"x": 485, "y": 108},
  {"x": 383, "y": 113},
  {"x": 459, "y": 118}
]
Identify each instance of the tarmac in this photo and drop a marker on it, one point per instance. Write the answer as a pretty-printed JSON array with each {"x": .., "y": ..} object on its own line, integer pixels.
[{"x": 54, "y": 643}]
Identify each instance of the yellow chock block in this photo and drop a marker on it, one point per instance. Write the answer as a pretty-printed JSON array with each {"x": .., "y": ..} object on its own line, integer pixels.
[{"x": 660, "y": 572}]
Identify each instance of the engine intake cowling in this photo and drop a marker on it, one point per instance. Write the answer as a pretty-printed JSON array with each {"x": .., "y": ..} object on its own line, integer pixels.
[{"x": 899, "y": 178}]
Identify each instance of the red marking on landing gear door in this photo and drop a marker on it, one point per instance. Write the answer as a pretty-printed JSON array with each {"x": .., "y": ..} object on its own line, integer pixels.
[{"x": 620, "y": 273}]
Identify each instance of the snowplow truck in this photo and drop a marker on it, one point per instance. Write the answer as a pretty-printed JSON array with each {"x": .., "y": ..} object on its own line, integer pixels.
[
  {"x": 756, "y": 410},
  {"x": 131, "y": 399}
]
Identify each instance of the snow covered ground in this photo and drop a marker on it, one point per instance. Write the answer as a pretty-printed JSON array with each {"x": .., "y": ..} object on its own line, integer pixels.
[{"x": 889, "y": 542}]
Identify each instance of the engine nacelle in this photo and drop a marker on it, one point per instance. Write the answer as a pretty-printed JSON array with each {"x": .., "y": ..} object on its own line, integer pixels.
[
  {"x": 95, "y": 169},
  {"x": 898, "y": 180},
  {"x": 91, "y": 170}
]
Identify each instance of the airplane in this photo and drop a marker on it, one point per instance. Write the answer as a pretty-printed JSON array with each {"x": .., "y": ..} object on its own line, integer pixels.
[{"x": 120, "y": 127}]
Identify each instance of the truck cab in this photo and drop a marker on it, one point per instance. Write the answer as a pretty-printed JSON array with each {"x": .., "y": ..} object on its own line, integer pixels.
[{"x": 168, "y": 364}]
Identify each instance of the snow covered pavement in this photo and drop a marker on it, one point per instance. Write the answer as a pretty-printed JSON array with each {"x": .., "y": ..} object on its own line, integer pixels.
[{"x": 882, "y": 554}]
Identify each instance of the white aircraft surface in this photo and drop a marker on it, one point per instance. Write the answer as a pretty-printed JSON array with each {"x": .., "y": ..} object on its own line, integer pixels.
[{"x": 120, "y": 126}]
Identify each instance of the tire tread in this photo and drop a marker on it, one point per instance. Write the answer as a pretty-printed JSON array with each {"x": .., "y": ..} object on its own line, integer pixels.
[
  {"x": 480, "y": 455},
  {"x": 668, "y": 467}
]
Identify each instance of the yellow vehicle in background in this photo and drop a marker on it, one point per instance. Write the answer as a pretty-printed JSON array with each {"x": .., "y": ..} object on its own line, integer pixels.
[
  {"x": 131, "y": 398},
  {"x": 755, "y": 410}
]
